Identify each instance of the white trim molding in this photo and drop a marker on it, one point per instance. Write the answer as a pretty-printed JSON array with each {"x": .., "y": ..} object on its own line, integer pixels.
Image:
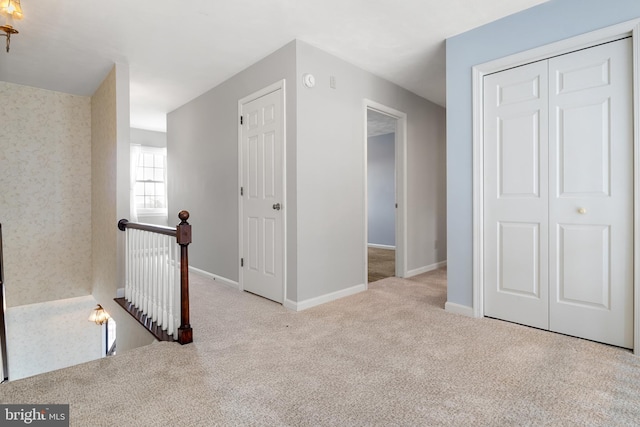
[
  {"x": 377, "y": 246},
  {"x": 401, "y": 185},
  {"x": 215, "y": 277},
  {"x": 322, "y": 299},
  {"x": 426, "y": 269},
  {"x": 625, "y": 29},
  {"x": 454, "y": 308}
]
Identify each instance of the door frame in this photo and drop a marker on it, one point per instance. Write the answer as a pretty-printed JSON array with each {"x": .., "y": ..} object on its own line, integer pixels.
[
  {"x": 625, "y": 29},
  {"x": 277, "y": 86},
  {"x": 400, "y": 184}
]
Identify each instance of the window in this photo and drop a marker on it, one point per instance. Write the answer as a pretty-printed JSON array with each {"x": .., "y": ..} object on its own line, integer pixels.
[{"x": 150, "y": 196}]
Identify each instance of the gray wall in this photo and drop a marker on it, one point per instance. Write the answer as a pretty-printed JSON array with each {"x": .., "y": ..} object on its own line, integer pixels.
[
  {"x": 202, "y": 152},
  {"x": 325, "y": 170},
  {"x": 381, "y": 189},
  {"x": 331, "y": 178},
  {"x": 544, "y": 24}
]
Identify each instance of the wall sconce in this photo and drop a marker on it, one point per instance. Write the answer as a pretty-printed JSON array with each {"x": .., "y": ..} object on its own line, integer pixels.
[
  {"x": 9, "y": 10},
  {"x": 99, "y": 315}
]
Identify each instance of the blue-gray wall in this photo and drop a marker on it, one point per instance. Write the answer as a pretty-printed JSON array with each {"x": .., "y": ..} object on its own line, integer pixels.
[
  {"x": 381, "y": 189},
  {"x": 538, "y": 26}
]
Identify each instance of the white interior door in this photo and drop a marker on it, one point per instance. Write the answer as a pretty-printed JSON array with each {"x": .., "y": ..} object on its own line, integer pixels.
[
  {"x": 591, "y": 196},
  {"x": 262, "y": 139},
  {"x": 558, "y": 194}
]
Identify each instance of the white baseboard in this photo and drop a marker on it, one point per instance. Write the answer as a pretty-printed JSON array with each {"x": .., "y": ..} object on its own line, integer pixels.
[
  {"x": 454, "y": 308},
  {"x": 375, "y": 245},
  {"x": 425, "y": 269},
  {"x": 322, "y": 299},
  {"x": 120, "y": 293},
  {"x": 215, "y": 277}
]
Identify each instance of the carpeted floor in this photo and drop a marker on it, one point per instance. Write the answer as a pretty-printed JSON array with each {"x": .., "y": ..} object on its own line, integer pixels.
[
  {"x": 381, "y": 263},
  {"x": 389, "y": 356}
]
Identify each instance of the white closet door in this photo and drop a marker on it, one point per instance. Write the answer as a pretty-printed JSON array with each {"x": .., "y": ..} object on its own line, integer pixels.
[
  {"x": 516, "y": 195},
  {"x": 591, "y": 194}
]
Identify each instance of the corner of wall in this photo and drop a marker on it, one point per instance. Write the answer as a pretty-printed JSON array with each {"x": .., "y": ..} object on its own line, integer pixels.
[
  {"x": 123, "y": 169},
  {"x": 110, "y": 198},
  {"x": 202, "y": 147},
  {"x": 330, "y": 127}
]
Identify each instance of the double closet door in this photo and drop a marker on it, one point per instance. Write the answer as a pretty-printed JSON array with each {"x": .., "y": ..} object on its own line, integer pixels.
[{"x": 558, "y": 194}]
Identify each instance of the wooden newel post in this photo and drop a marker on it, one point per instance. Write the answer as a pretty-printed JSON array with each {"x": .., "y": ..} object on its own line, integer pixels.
[{"x": 183, "y": 237}]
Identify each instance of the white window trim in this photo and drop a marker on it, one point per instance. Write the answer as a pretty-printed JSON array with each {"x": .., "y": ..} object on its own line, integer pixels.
[{"x": 154, "y": 212}]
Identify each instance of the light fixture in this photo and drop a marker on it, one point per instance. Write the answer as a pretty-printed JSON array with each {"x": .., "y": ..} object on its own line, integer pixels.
[
  {"x": 99, "y": 315},
  {"x": 9, "y": 10}
]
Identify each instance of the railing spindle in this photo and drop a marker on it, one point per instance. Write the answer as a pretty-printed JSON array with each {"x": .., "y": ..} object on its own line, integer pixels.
[
  {"x": 153, "y": 258},
  {"x": 147, "y": 275},
  {"x": 172, "y": 319}
]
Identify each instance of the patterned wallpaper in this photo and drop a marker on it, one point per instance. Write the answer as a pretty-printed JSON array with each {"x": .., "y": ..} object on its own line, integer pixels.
[
  {"x": 45, "y": 194},
  {"x": 104, "y": 189}
]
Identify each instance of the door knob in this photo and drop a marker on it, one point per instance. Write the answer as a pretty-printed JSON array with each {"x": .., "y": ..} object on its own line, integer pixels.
[
  {"x": 276, "y": 206},
  {"x": 582, "y": 211}
]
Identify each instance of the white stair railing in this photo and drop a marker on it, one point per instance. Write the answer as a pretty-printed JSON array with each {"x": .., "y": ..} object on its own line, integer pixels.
[
  {"x": 156, "y": 277},
  {"x": 153, "y": 277}
]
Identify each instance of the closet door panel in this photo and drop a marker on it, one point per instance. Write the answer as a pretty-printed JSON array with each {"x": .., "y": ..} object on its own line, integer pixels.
[
  {"x": 516, "y": 195},
  {"x": 591, "y": 194}
]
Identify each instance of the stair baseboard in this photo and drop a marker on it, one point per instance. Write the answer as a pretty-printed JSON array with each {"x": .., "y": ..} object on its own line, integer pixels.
[{"x": 145, "y": 321}]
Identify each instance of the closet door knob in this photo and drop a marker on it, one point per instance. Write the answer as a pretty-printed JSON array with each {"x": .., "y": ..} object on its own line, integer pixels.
[{"x": 582, "y": 211}]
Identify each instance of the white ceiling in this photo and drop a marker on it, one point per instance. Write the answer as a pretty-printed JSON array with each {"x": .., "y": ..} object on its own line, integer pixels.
[{"x": 178, "y": 50}]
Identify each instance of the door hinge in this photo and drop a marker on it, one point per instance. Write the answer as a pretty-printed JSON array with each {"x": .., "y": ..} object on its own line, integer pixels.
[
  {"x": 242, "y": 191},
  {"x": 241, "y": 262},
  {"x": 241, "y": 121}
]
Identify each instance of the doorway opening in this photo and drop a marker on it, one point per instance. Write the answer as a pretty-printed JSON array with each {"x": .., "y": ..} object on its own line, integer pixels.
[
  {"x": 381, "y": 186},
  {"x": 385, "y": 183}
]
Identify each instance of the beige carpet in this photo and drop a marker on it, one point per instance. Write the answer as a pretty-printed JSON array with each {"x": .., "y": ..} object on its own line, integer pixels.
[
  {"x": 389, "y": 356},
  {"x": 381, "y": 263}
]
